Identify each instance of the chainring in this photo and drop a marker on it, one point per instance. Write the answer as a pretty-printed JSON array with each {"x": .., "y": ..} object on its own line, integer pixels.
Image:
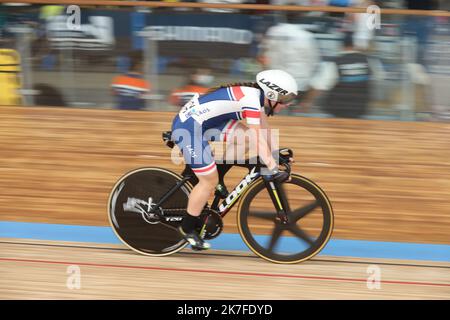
[{"x": 214, "y": 224}]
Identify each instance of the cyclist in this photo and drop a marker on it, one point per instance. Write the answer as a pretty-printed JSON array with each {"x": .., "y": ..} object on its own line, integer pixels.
[{"x": 220, "y": 109}]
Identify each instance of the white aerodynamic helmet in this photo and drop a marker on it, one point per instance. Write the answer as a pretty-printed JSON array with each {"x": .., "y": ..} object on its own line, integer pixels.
[{"x": 278, "y": 85}]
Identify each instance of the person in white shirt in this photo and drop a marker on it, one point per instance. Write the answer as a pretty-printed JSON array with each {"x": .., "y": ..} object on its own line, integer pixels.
[
  {"x": 364, "y": 25},
  {"x": 345, "y": 82},
  {"x": 288, "y": 46}
]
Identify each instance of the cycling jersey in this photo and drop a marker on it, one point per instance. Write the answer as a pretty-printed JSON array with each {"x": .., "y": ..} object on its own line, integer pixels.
[
  {"x": 210, "y": 118},
  {"x": 224, "y": 104}
]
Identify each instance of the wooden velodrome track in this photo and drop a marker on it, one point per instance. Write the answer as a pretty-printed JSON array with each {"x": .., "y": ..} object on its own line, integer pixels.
[
  {"x": 41, "y": 270},
  {"x": 388, "y": 181}
]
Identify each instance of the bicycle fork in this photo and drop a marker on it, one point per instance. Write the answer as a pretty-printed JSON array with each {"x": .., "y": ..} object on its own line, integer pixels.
[{"x": 279, "y": 200}]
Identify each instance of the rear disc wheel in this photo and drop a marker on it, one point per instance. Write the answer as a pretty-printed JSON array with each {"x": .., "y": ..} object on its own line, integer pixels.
[{"x": 130, "y": 201}]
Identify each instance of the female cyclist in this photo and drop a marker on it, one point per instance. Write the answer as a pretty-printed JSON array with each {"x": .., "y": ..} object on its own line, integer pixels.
[{"x": 220, "y": 110}]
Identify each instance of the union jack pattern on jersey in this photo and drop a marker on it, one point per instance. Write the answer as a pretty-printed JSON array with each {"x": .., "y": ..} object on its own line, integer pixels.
[{"x": 224, "y": 104}]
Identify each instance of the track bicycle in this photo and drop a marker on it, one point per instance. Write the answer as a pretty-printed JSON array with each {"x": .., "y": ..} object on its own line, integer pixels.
[{"x": 287, "y": 222}]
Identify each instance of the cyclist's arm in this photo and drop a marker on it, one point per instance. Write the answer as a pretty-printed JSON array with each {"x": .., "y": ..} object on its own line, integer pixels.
[
  {"x": 263, "y": 148},
  {"x": 263, "y": 117},
  {"x": 253, "y": 111},
  {"x": 268, "y": 132}
]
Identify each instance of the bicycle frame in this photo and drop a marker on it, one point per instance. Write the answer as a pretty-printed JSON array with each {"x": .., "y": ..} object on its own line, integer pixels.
[
  {"x": 232, "y": 197},
  {"x": 169, "y": 210},
  {"x": 275, "y": 191}
]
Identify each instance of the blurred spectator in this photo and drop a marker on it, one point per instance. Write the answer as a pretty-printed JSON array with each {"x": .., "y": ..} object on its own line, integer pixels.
[
  {"x": 419, "y": 26},
  {"x": 347, "y": 81},
  {"x": 130, "y": 88},
  {"x": 47, "y": 12},
  {"x": 419, "y": 93},
  {"x": 199, "y": 82},
  {"x": 357, "y": 23},
  {"x": 288, "y": 46},
  {"x": 41, "y": 46},
  {"x": 362, "y": 35}
]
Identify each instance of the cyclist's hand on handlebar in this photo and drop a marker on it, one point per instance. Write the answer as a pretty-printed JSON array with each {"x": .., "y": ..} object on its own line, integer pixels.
[{"x": 285, "y": 155}]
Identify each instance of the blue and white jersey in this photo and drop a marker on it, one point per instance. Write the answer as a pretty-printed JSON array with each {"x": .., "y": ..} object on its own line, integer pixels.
[
  {"x": 220, "y": 110},
  {"x": 232, "y": 103}
]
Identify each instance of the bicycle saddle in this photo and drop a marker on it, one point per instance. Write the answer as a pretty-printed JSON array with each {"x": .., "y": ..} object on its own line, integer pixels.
[{"x": 167, "y": 138}]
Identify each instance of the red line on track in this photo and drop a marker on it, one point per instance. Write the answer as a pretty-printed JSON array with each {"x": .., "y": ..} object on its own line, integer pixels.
[{"x": 236, "y": 273}]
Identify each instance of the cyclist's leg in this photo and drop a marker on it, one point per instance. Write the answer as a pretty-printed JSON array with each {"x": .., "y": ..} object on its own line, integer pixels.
[
  {"x": 207, "y": 181},
  {"x": 206, "y": 173},
  {"x": 234, "y": 137},
  {"x": 197, "y": 154}
]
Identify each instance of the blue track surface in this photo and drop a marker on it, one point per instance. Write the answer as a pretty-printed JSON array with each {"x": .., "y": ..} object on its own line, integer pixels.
[{"x": 226, "y": 241}]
